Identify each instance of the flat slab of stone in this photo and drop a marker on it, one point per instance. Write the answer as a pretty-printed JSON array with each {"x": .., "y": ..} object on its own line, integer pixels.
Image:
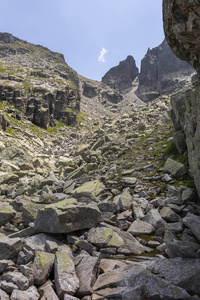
[
  {"x": 175, "y": 168},
  {"x": 141, "y": 227},
  {"x": 66, "y": 280},
  {"x": 66, "y": 216},
  {"x": 129, "y": 181},
  {"x": 105, "y": 237},
  {"x": 94, "y": 187},
  {"x": 87, "y": 270}
]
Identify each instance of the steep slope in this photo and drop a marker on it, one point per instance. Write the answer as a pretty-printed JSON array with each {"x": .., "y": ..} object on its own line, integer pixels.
[
  {"x": 104, "y": 211},
  {"x": 162, "y": 73},
  {"x": 38, "y": 82}
]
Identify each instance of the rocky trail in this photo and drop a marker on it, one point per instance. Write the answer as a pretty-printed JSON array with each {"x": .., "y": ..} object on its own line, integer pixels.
[{"x": 106, "y": 211}]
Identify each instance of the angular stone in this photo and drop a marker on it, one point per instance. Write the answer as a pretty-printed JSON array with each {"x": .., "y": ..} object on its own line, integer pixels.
[
  {"x": 129, "y": 181},
  {"x": 66, "y": 281},
  {"x": 29, "y": 271},
  {"x": 169, "y": 215},
  {"x": 43, "y": 263},
  {"x": 154, "y": 218},
  {"x": 176, "y": 227},
  {"x": 175, "y": 168},
  {"x": 87, "y": 271},
  {"x": 131, "y": 243},
  {"x": 85, "y": 245},
  {"x": 125, "y": 200},
  {"x": 107, "y": 265},
  {"x": 193, "y": 223},
  {"x": 39, "y": 242},
  {"x": 133, "y": 277},
  {"x": 188, "y": 194},
  {"x": 47, "y": 292},
  {"x": 95, "y": 187},
  {"x": 177, "y": 248},
  {"x": 17, "y": 278},
  {"x": 4, "y": 296},
  {"x": 4, "y": 264},
  {"x": 9, "y": 248},
  {"x": 182, "y": 272},
  {"x": 31, "y": 294},
  {"x": 65, "y": 216},
  {"x": 141, "y": 227},
  {"x": 7, "y": 213},
  {"x": 68, "y": 297},
  {"x": 105, "y": 237},
  {"x": 8, "y": 287}
]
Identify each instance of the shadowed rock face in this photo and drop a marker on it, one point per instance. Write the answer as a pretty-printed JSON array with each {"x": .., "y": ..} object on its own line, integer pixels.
[
  {"x": 122, "y": 76},
  {"x": 158, "y": 77},
  {"x": 182, "y": 28}
]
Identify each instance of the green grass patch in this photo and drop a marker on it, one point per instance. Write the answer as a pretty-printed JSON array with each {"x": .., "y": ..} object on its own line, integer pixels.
[
  {"x": 36, "y": 129},
  {"x": 26, "y": 84},
  {"x": 15, "y": 120},
  {"x": 11, "y": 131},
  {"x": 81, "y": 116}
]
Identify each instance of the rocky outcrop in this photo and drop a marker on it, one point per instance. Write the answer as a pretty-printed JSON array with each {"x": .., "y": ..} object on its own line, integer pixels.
[
  {"x": 181, "y": 25},
  {"x": 38, "y": 83},
  {"x": 158, "y": 77},
  {"x": 122, "y": 76}
]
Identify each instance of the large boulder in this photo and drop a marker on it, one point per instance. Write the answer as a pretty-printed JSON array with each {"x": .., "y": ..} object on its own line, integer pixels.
[
  {"x": 182, "y": 272},
  {"x": 116, "y": 283},
  {"x": 66, "y": 281},
  {"x": 66, "y": 216}
]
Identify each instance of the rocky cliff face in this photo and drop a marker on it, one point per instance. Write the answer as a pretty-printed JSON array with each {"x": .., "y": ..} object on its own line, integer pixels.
[
  {"x": 162, "y": 73},
  {"x": 122, "y": 76},
  {"x": 182, "y": 25},
  {"x": 37, "y": 82}
]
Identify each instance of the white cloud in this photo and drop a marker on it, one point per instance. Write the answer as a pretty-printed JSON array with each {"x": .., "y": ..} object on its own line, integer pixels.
[{"x": 101, "y": 57}]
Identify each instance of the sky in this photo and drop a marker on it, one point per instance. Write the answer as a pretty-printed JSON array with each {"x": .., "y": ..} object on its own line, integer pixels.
[{"x": 93, "y": 35}]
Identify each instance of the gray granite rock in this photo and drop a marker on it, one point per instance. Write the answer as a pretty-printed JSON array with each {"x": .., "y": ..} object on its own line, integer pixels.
[
  {"x": 141, "y": 227},
  {"x": 66, "y": 281},
  {"x": 87, "y": 272}
]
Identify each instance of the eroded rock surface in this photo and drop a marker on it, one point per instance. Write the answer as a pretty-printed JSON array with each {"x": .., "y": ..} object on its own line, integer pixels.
[
  {"x": 158, "y": 77},
  {"x": 181, "y": 25}
]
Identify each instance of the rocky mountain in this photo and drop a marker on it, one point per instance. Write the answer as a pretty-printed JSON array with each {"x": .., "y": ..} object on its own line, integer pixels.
[
  {"x": 122, "y": 76},
  {"x": 156, "y": 77},
  {"x": 162, "y": 73},
  {"x": 38, "y": 83},
  {"x": 106, "y": 210}
]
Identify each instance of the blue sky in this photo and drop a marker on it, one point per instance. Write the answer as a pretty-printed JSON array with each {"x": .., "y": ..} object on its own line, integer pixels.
[{"x": 93, "y": 35}]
